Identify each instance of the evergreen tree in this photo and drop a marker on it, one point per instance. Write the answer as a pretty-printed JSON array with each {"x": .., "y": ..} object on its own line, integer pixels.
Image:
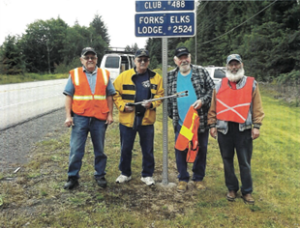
[
  {"x": 100, "y": 28},
  {"x": 11, "y": 57}
]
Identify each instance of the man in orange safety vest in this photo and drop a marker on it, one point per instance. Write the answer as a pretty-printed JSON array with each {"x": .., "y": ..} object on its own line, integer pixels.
[
  {"x": 89, "y": 109},
  {"x": 235, "y": 117}
]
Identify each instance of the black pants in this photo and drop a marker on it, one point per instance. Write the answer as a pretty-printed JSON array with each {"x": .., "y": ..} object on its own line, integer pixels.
[{"x": 241, "y": 142}]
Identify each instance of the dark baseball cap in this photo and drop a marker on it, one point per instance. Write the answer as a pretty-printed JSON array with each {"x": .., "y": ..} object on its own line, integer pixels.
[
  {"x": 181, "y": 51},
  {"x": 141, "y": 53},
  {"x": 87, "y": 50}
]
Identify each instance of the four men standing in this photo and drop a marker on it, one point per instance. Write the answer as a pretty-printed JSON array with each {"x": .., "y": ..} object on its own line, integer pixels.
[{"x": 232, "y": 109}]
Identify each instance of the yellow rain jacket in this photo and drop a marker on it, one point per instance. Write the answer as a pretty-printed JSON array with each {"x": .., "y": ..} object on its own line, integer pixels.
[{"x": 125, "y": 93}]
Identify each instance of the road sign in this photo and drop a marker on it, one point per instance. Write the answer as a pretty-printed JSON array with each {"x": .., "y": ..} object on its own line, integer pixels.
[
  {"x": 165, "y": 24},
  {"x": 146, "y": 6}
]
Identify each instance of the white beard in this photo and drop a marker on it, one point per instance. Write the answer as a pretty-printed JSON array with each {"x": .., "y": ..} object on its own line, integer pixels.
[
  {"x": 184, "y": 68},
  {"x": 235, "y": 77}
]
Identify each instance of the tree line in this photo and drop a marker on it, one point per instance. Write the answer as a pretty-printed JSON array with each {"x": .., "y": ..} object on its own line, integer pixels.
[
  {"x": 51, "y": 45},
  {"x": 265, "y": 33}
]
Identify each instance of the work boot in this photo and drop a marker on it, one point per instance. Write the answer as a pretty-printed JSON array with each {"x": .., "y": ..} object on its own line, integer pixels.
[
  {"x": 231, "y": 195},
  {"x": 248, "y": 199},
  {"x": 101, "y": 182},
  {"x": 182, "y": 186},
  {"x": 72, "y": 183},
  {"x": 199, "y": 185}
]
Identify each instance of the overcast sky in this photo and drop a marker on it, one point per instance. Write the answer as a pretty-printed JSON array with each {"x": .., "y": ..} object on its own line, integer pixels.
[{"x": 118, "y": 15}]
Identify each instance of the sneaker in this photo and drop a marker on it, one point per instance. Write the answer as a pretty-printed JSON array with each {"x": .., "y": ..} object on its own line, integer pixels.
[
  {"x": 248, "y": 199},
  {"x": 199, "y": 185},
  {"x": 71, "y": 183},
  {"x": 122, "y": 178},
  {"x": 182, "y": 186},
  {"x": 148, "y": 180},
  {"x": 231, "y": 195}
]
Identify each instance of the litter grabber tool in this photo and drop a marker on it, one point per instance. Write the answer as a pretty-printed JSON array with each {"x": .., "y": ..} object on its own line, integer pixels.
[{"x": 176, "y": 95}]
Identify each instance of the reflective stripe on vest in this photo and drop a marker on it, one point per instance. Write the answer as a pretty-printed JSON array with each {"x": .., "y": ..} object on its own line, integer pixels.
[
  {"x": 233, "y": 105},
  {"x": 188, "y": 132},
  {"x": 85, "y": 98},
  {"x": 105, "y": 78},
  {"x": 76, "y": 77}
]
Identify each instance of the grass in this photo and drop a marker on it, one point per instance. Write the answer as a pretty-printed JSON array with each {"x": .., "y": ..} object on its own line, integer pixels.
[
  {"x": 34, "y": 196},
  {"x": 9, "y": 79},
  {"x": 30, "y": 77}
]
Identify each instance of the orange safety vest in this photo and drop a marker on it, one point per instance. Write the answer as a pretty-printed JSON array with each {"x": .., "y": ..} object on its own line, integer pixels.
[
  {"x": 84, "y": 102},
  {"x": 188, "y": 135},
  {"x": 233, "y": 105}
]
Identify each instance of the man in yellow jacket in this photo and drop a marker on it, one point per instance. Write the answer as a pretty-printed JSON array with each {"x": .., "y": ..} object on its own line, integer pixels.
[
  {"x": 89, "y": 108},
  {"x": 135, "y": 85}
]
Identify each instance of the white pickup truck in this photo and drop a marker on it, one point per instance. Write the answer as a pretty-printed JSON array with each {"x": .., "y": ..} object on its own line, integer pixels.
[
  {"x": 216, "y": 73},
  {"x": 116, "y": 62}
]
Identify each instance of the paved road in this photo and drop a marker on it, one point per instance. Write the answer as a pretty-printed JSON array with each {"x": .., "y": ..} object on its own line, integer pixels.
[{"x": 24, "y": 101}]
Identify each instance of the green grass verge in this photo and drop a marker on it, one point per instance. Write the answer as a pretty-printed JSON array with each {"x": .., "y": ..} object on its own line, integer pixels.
[
  {"x": 34, "y": 195},
  {"x": 9, "y": 79}
]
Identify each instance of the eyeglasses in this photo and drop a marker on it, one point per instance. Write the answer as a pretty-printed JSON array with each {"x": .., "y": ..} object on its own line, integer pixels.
[
  {"x": 143, "y": 60},
  {"x": 91, "y": 58}
]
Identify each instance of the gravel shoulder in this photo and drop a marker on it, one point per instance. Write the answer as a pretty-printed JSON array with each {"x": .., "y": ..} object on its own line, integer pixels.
[{"x": 17, "y": 142}]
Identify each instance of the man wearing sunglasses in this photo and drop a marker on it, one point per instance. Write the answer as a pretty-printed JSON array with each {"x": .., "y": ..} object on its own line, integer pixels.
[
  {"x": 135, "y": 85},
  {"x": 198, "y": 83},
  {"x": 89, "y": 109}
]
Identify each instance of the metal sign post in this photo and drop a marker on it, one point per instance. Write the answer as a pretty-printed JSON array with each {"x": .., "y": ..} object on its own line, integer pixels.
[
  {"x": 165, "y": 111},
  {"x": 164, "y": 24}
]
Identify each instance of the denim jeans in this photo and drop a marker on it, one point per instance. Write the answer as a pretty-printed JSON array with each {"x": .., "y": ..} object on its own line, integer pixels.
[
  {"x": 200, "y": 161},
  {"x": 240, "y": 141},
  {"x": 127, "y": 137},
  {"x": 97, "y": 128}
]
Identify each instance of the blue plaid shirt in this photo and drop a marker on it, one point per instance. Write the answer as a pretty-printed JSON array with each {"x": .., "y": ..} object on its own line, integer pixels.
[{"x": 203, "y": 85}]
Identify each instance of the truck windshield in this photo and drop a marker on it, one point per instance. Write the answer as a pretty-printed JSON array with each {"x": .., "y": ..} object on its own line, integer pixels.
[
  {"x": 219, "y": 73},
  {"x": 112, "y": 62}
]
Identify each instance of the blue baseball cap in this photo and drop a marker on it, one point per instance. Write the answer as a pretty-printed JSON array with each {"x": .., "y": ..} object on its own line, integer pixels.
[{"x": 236, "y": 57}]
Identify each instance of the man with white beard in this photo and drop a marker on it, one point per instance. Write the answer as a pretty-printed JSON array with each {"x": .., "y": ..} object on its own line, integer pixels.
[
  {"x": 234, "y": 118},
  {"x": 198, "y": 83}
]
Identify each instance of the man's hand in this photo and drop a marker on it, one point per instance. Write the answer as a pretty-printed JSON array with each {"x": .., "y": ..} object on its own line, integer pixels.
[
  {"x": 128, "y": 109},
  {"x": 255, "y": 133},
  {"x": 146, "y": 104},
  {"x": 197, "y": 104},
  {"x": 109, "y": 119},
  {"x": 213, "y": 132},
  {"x": 69, "y": 122}
]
